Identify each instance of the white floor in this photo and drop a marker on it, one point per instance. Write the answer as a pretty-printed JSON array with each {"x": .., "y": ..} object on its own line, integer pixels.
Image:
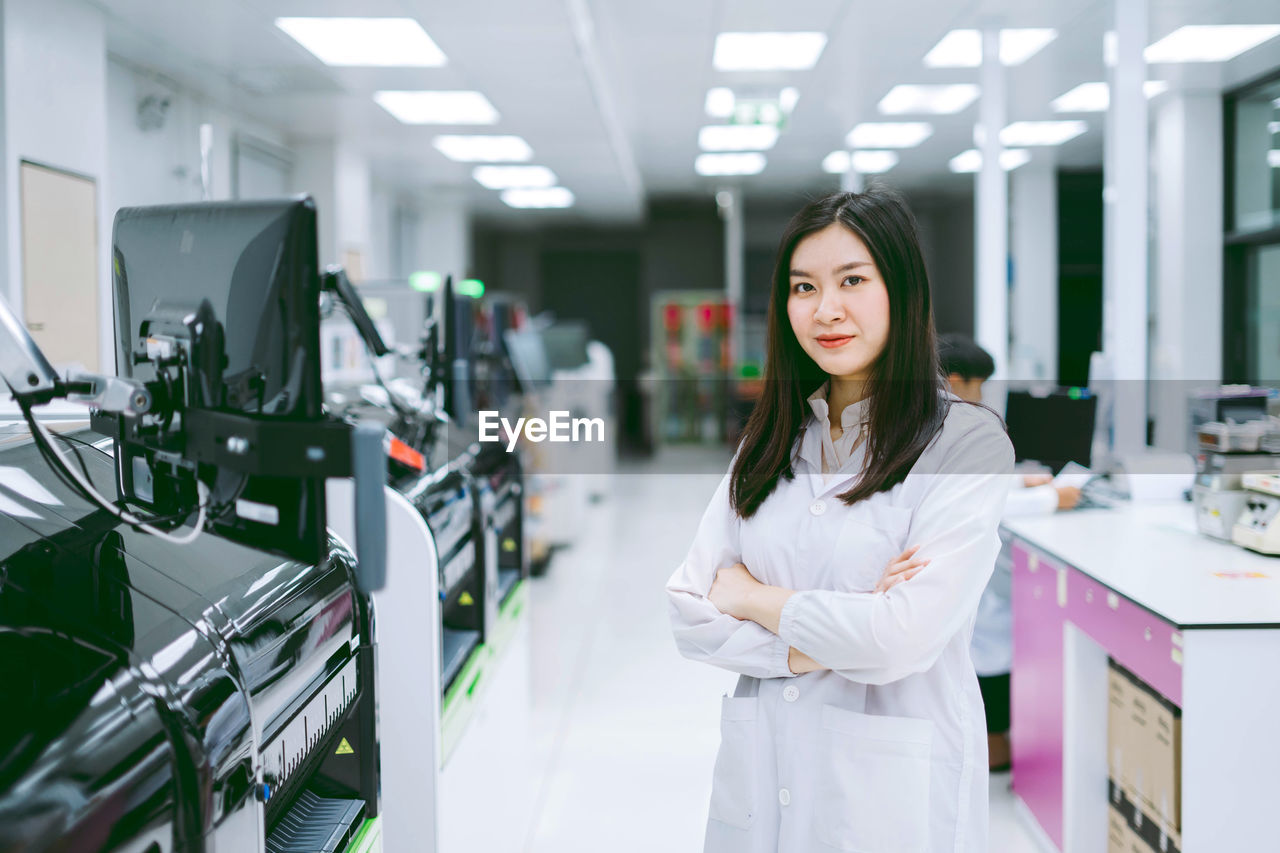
[{"x": 625, "y": 729}]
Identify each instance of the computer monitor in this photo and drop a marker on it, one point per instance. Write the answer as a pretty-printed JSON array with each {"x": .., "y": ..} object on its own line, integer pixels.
[
  {"x": 566, "y": 344},
  {"x": 1053, "y": 429},
  {"x": 528, "y": 358},
  {"x": 256, "y": 263}
]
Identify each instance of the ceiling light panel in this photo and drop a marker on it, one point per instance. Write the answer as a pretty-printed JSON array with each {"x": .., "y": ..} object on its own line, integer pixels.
[
  {"x": 1096, "y": 97},
  {"x": 365, "y": 41},
  {"x": 873, "y": 162},
  {"x": 1041, "y": 132},
  {"x": 719, "y": 103},
  {"x": 514, "y": 177},
  {"x": 484, "y": 149},
  {"x": 963, "y": 48},
  {"x": 1209, "y": 43},
  {"x": 836, "y": 163},
  {"x": 888, "y": 134},
  {"x": 768, "y": 51},
  {"x": 971, "y": 160},
  {"x": 438, "y": 107},
  {"x": 550, "y": 197},
  {"x": 745, "y": 163},
  {"x": 737, "y": 137},
  {"x": 941, "y": 100}
]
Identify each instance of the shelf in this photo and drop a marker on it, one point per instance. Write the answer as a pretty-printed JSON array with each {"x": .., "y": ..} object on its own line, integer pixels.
[{"x": 456, "y": 648}]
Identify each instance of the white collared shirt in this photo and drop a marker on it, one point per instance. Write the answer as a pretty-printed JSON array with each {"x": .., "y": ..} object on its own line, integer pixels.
[
  {"x": 887, "y": 749},
  {"x": 836, "y": 455}
]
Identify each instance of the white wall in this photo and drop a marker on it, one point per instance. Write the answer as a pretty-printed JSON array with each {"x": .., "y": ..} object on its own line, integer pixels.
[
  {"x": 435, "y": 233},
  {"x": 54, "y": 113}
]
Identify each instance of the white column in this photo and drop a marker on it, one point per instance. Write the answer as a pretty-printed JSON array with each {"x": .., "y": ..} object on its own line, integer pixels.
[
  {"x": 1125, "y": 222},
  {"x": 729, "y": 203},
  {"x": 991, "y": 197},
  {"x": 1033, "y": 226},
  {"x": 435, "y": 233},
  {"x": 851, "y": 180},
  {"x": 337, "y": 177},
  {"x": 1188, "y": 258}
]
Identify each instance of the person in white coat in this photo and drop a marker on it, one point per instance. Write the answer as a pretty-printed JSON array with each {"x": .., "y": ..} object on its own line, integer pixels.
[
  {"x": 967, "y": 367},
  {"x": 840, "y": 562}
]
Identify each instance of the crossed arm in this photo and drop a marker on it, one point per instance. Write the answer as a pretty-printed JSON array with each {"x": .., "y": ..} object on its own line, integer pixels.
[{"x": 735, "y": 592}]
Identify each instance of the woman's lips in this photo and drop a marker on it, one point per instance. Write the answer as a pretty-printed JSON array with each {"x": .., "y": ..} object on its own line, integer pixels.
[{"x": 833, "y": 342}]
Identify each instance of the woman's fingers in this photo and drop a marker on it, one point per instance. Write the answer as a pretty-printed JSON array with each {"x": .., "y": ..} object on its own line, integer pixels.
[{"x": 890, "y": 582}]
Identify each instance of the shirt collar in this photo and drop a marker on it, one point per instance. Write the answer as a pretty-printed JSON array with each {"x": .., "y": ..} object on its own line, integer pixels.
[{"x": 855, "y": 414}]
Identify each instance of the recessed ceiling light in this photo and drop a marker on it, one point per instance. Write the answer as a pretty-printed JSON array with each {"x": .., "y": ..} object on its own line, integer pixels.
[
  {"x": 1209, "y": 43},
  {"x": 746, "y": 163},
  {"x": 438, "y": 107},
  {"x": 963, "y": 48},
  {"x": 836, "y": 163},
  {"x": 787, "y": 98},
  {"x": 1273, "y": 158},
  {"x": 1273, "y": 127},
  {"x": 768, "y": 51},
  {"x": 944, "y": 99},
  {"x": 889, "y": 134},
  {"x": 365, "y": 41},
  {"x": 513, "y": 177},
  {"x": 874, "y": 162},
  {"x": 538, "y": 198},
  {"x": 1096, "y": 97},
  {"x": 971, "y": 160},
  {"x": 1042, "y": 132},
  {"x": 719, "y": 103},
  {"x": 737, "y": 137},
  {"x": 484, "y": 149}
]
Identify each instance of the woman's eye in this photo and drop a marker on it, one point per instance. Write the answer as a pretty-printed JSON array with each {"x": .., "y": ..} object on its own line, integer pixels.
[
  {"x": 854, "y": 279},
  {"x": 802, "y": 287}
]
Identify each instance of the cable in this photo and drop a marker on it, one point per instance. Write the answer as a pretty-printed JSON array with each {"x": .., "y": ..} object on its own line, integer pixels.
[{"x": 42, "y": 436}]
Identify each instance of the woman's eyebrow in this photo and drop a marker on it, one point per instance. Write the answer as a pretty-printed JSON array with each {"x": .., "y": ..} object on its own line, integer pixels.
[{"x": 839, "y": 269}]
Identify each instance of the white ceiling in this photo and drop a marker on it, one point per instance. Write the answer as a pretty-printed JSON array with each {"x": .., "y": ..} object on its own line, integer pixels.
[{"x": 615, "y": 110}]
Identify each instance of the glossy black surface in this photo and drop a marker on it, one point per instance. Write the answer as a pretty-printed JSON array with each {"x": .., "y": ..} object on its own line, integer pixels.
[{"x": 142, "y": 680}]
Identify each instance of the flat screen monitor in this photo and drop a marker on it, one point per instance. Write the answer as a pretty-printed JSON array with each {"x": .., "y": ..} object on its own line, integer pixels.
[
  {"x": 1053, "y": 429},
  {"x": 528, "y": 357},
  {"x": 256, "y": 263},
  {"x": 566, "y": 344}
]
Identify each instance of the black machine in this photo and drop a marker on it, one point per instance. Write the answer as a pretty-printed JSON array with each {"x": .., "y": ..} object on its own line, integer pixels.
[
  {"x": 469, "y": 494},
  {"x": 170, "y": 690},
  {"x": 1053, "y": 429}
]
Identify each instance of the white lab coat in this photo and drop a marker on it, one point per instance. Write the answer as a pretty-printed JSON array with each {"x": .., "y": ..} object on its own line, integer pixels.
[{"x": 887, "y": 752}]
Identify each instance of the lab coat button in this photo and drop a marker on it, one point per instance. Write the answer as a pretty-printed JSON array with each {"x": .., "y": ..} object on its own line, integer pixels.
[
  {"x": 817, "y": 507},
  {"x": 791, "y": 693},
  {"x": 784, "y": 797}
]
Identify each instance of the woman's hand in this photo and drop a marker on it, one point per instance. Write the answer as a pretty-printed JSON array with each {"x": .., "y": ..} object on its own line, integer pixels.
[
  {"x": 901, "y": 568},
  {"x": 731, "y": 592}
]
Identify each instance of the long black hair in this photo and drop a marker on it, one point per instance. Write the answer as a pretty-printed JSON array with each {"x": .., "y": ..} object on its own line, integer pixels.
[{"x": 907, "y": 403}]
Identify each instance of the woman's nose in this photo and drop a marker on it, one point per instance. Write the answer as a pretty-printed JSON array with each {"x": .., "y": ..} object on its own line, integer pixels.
[{"x": 829, "y": 310}]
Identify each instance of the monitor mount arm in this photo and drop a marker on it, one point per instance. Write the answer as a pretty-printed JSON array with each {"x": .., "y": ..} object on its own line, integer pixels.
[{"x": 235, "y": 441}]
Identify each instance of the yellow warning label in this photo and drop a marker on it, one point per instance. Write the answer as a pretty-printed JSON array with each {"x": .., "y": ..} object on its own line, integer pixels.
[
  {"x": 344, "y": 748},
  {"x": 508, "y": 545},
  {"x": 466, "y": 600}
]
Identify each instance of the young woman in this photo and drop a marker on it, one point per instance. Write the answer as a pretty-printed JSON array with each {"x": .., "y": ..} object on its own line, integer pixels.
[{"x": 857, "y": 722}]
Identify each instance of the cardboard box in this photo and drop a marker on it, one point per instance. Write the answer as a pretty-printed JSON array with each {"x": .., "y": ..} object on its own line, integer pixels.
[
  {"x": 1131, "y": 830},
  {"x": 1117, "y": 831},
  {"x": 1128, "y": 732},
  {"x": 1164, "y": 765}
]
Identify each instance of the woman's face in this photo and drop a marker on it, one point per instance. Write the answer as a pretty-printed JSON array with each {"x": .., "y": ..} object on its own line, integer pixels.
[{"x": 838, "y": 303}]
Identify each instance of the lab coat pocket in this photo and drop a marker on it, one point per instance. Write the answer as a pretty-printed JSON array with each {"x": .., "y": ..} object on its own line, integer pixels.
[
  {"x": 873, "y": 533},
  {"x": 874, "y": 788},
  {"x": 733, "y": 785}
]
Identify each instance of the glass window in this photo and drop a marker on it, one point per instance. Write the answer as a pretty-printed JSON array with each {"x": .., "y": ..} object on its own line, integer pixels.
[{"x": 1254, "y": 117}]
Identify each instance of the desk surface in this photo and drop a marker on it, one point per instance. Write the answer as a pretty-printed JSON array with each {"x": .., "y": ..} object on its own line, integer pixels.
[{"x": 1152, "y": 555}]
